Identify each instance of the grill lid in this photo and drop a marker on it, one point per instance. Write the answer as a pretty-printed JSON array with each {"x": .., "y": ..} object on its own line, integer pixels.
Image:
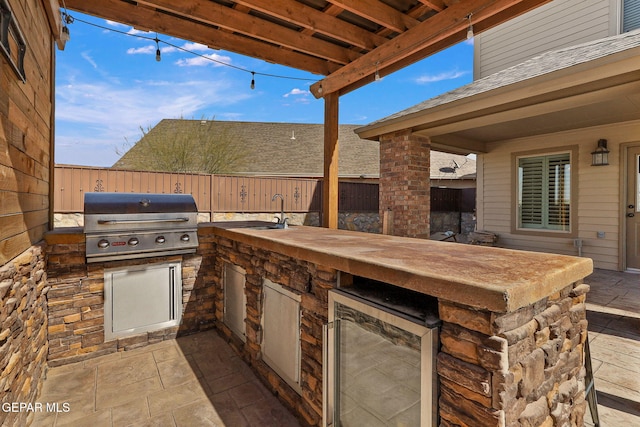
[{"x": 137, "y": 203}]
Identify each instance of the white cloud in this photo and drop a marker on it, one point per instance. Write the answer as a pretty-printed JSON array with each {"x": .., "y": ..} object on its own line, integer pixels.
[
  {"x": 89, "y": 59},
  {"x": 296, "y": 92},
  {"x": 143, "y": 50},
  {"x": 200, "y": 61},
  {"x": 115, "y": 24},
  {"x": 150, "y": 49},
  {"x": 195, "y": 47},
  {"x": 97, "y": 116},
  {"x": 446, "y": 75}
]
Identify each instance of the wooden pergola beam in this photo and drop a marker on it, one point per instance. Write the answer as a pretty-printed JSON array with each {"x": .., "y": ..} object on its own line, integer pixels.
[
  {"x": 378, "y": 12},
  {"x": 317, "y": 21},
  {"x": 220, "y": 16},
  {"x": 143, "y": 17},
  {"x": 417, "y": 42}
]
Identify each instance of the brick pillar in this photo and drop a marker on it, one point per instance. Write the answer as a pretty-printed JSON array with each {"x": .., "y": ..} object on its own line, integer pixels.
[{"x": 405, "y": 183}]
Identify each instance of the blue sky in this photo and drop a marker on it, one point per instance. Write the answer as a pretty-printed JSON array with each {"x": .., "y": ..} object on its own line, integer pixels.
[{"x": 109, "y": 85}]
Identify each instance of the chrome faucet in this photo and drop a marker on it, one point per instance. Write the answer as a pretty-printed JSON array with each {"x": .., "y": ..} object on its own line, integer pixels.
[{"x": 282, "y": 221}]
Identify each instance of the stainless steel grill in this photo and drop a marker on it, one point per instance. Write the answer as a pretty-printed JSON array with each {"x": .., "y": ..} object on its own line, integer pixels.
[{"x": 138, "y": 225}]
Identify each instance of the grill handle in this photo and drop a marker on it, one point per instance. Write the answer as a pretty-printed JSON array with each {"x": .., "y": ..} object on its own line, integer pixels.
[{"x": 140, "y": 221}]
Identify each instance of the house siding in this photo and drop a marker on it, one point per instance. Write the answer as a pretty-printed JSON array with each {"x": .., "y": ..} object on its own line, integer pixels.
[
  {"x": 26, "y": 120},
  {"x": 599, "y": 199},
  {"x": 25, "y": 135},
  {"x": 557, "y": 24}
]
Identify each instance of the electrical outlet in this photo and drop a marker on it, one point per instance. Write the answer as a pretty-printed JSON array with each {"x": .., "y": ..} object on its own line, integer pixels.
[{"x": 601, "y": 234}]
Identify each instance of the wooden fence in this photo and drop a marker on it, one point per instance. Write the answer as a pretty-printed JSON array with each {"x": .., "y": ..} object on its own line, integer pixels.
[
  {"x": 243, "y": 194},
  {"x": 212, "y": 193}
]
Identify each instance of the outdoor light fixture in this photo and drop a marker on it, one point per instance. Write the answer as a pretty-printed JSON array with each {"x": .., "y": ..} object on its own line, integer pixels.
[
  {"x": 158, "y": 58},
  {"x": 470, "y": 30},
  {"x": 600, "y": 157},
  {"x": 377, "y": 75}
]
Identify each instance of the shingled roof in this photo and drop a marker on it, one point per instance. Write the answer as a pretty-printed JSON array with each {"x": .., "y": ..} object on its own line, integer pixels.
[
  {"x": 539, "y": 65},
  {"x": 296, "y": 149}
]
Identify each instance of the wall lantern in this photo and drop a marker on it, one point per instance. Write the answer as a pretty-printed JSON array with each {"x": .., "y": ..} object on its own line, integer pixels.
[{"x": 600, "y": 157}]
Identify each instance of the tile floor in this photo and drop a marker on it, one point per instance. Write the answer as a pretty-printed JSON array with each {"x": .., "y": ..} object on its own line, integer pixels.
[
  {"x": 613, "y": 311},
  {"x": 199, "y": 381},
  {"x": 193, "y": 381}
]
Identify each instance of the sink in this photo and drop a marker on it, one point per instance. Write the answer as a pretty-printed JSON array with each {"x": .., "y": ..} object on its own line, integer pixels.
[{"x": 255, "y": 225}]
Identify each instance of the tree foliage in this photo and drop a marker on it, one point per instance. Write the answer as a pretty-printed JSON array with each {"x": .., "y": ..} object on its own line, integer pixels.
[{"x": 185, "y": 146}]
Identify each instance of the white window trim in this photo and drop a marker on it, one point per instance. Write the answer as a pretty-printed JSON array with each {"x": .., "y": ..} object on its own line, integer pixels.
[{"x": 515, "y": 213}]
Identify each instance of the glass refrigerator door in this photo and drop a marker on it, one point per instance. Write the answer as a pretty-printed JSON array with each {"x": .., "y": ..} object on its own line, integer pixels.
[{"x": 380, "y": 367}]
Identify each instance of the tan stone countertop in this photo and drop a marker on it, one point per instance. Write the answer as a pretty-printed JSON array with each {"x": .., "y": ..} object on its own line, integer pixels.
[{"x": 496, "y": 279}]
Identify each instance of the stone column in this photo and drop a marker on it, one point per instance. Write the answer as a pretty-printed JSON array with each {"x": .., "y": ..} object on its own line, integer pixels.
[
  {"x": 517, "y": 369},
  {"x": 405, "y": 193}
]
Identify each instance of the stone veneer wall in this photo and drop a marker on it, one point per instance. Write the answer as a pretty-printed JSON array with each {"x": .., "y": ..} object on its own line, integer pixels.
[
  {"x": 520, "y": 369},
  {"x": 23, "y": 333},
  {"x": 76, "y": 302},
  {"x": 310, "y": 281}
]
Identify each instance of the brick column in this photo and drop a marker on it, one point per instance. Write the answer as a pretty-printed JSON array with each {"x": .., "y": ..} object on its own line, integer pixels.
[{"x": 405, "y": 183}]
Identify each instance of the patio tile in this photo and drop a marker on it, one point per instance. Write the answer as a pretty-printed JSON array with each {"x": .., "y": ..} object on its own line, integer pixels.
[
  {"x": 246, "y": 394},
  {"x": 127, "y": 370},
  {"x": 199, "y": 413},
  {"x": 613, "y": 312},
  {"x": 115, "y": 394},
  {"x": 69, "y": 382},
  {"x": 96, "y": 419},
  {"x": 162, "y": 420},
  {"x": 134, "y": 410},
  {"x": 175, "y": 371},
  {"x": 168, "y": 399}
]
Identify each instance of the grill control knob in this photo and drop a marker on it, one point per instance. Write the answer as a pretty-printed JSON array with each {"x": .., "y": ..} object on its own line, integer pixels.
[
  {"x": 160, "y": 240},
  {"x": 184, "y": 238},
  {"x": 133, "y": 241},
  {"x": 103, "y": 243}
]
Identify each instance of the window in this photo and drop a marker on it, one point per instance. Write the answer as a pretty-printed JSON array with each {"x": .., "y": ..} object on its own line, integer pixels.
[
  {"x": 12, "y": 43},
  {"x": 544, "y": 192},
  {"x": 630, "y": 15}
]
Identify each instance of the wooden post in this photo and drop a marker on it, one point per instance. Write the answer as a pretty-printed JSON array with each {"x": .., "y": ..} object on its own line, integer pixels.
[
  {"x": 387, "y": 222},
  {"x": 330, "y": 185}
]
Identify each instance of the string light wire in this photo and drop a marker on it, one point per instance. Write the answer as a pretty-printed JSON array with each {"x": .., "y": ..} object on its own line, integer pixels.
[{"x": 157, "y": 40}]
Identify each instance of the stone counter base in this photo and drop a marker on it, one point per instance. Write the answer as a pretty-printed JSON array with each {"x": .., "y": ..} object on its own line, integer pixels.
[
  {"x": 521, "y": 369},
  {"x": 23, "y": 334},
  {"x": 76, "y": 304}
]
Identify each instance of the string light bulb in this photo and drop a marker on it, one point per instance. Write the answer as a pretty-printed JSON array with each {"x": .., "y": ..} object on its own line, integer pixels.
[
  {"x": 470, "y": 30},
  {"x": 253, "y": 80},
  {"x": 158, "y": 57},
  {"x": 377, "y": 77}
]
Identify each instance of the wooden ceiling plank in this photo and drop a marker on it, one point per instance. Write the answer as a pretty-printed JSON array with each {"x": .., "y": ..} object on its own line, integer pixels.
[
  {"x": 437, "y": 5},
  {"x": 416, "y": 12},
  {"x": 225, "y": 17},
  {"x": 450, "y": 22},
  {"x": 131, "y": 14},
  {"x": 319, "y": 22},
  {"x": 378, "y": 12}
]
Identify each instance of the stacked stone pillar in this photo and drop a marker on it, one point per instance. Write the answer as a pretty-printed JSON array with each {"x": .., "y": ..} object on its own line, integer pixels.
[
  {"x": 405, "y": 194},
  {"x": 23, "y": 335},
  {"x": 520, "y": 369}
]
